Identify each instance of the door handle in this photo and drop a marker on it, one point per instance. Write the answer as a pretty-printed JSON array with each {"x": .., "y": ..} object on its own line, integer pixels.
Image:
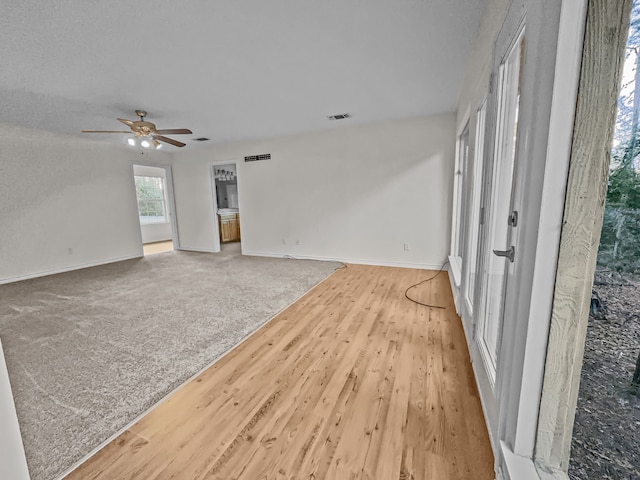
[{"x": 510, "y": 254}]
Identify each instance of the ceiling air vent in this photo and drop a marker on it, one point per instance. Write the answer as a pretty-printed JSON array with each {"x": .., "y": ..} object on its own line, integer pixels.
[
  {"x": 342, "y": 116},
  {"x": 257, "y": 158},
  {"x": 201, "y": 139}
]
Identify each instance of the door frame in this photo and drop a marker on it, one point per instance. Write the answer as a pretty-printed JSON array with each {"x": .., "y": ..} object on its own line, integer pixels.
[
  {"x": 514, "y": 25},
  {"x": 587, "y": 180},
  {"x": 516, "y": 457},
  {"x": 522, "y": 424},
  {"x": 553, "y": 66},
  {"x": 541, "y": 186},
  {"x": 554, "y": 52},
  {"x": 510, "y": 39},
  {"x": 214, "y": 203},
  {"x": 536, "y": 428},
  {"x": 173, "y": 218}
]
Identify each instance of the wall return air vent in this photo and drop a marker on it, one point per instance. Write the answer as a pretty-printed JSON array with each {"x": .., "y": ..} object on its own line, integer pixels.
[
  {"x": 342, "y": 116},
  {"x": 257, "y": 158}
]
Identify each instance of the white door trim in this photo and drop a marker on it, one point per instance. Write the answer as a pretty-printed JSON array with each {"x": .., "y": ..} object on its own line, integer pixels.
[
  {"x": 172, "y": 208},
  {"x": 173, "y": 219},
  {"x": 565, "y": 91},
  {"x": 214, "y": 203},
  {"x": 605, "y": 39},
  {"x": 517, "y": 455}
]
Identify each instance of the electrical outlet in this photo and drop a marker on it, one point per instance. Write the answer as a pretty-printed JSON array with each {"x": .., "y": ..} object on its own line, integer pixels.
[
  {"x": 406, "y": 247},
  {"x": 284, "y": 241},
  {"x": 69, "y": 251},
  {"x": 297, "y": 242}
]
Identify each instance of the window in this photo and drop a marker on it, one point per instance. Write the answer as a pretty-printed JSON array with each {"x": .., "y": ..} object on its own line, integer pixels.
[
  {"x": 473, "y": 216},
  {"x": 460, "y": 183},
  {"x": 151, "y": 199}
]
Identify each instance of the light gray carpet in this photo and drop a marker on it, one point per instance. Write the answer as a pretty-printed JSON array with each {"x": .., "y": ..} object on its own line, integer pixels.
[{"x": 88, "y": 351}]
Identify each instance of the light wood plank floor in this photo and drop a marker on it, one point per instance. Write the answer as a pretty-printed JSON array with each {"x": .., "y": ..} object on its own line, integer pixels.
[
  {"x": 157, "y": 247},
  {"x": 353, "y": 381}
]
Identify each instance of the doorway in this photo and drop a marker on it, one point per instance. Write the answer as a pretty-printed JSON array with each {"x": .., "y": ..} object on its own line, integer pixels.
[
  {"x": 497, "y": 215},
  {"x": 224, "y": 177},
  {"x": 499, "y": 252},
  {"x": 155, "y": 208}
]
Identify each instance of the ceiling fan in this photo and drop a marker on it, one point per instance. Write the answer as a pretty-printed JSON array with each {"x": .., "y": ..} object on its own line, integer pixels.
[{"x": 147, "y": 132}]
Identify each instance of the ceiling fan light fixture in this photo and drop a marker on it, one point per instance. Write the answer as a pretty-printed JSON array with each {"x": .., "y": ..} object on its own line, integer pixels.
[{"x": 146, "y": 134}]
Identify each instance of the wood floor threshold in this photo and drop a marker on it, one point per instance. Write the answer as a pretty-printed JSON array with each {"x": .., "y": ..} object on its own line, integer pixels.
[
  {"x": 158, "y": 247},
  {"x": 351, "y": 381}
]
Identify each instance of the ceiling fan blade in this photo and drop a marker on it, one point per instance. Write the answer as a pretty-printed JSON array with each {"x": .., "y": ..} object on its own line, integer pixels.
[
  {"x": 126, "y": 122},
  {"x": 104, "y": 131},
  {"x": 175, "y": 131},
  {"x": 170, "y": 141}
]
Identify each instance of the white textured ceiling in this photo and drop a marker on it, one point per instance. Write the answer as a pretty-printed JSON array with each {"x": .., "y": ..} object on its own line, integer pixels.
[{"x": 230, "y": 69}]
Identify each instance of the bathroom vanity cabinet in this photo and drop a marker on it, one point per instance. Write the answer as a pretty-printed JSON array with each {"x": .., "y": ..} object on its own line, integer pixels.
[{"x": 229, "y": 225}]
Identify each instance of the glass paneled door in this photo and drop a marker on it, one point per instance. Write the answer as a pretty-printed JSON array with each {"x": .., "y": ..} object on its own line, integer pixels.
[{"x": 499, "y": 253}]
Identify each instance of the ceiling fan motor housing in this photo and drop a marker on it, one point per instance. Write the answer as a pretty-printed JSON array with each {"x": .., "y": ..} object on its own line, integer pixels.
[{"x": 142, "y": 128}]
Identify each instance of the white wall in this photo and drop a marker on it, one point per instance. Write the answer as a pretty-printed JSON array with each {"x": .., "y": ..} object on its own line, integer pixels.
[
  {"x": 476, "y": 81},
  {"x": 65, "y": 203},
  {"x": 355, "y": 194},
  {"x": 155, "y": 232}
]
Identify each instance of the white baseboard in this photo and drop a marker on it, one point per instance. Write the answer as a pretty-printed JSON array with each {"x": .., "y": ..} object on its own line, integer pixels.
[
  {"x": 70, "y": 268},
  {"x": 13, "y": 463},
  {"x": 355, "y": 261}
]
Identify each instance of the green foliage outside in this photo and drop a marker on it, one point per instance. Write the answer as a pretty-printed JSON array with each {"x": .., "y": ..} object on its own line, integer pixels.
[
  {"x": 150, "y": 196},
  {"x": 148, "y": 187},
  {"x": 620, "y": 237}
]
